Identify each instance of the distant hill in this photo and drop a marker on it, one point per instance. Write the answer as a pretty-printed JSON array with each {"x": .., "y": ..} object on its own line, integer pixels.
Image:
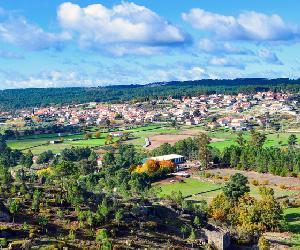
[{"x": 37, "y": 97}]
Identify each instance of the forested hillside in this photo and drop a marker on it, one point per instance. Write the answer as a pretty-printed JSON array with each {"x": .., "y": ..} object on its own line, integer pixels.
[{"x": 36, "y": 97}]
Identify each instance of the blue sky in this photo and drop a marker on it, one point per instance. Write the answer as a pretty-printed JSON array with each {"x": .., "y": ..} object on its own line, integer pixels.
[{"x": 53, "y": 43}]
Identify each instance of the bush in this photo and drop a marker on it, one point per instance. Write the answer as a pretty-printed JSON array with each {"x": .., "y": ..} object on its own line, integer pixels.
[
  {"x": 265, "y": 182},
  {"x": 3, "y": 242},
  {"x": 33, "y": 232},
  {"x": 151, "y": 224},
  {"x": 282, "y": 186},
  {"x": 263, "y": 244},
  {"x": 255, "y": 182},
  {"x": 207, "y": 175},
  {"x": 19, "y": 244}
]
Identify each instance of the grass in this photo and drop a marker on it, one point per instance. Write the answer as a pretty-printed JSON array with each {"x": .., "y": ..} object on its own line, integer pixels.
[
  {"x": 38, "y": 143},
  {"x": 198, "y": 190},
  {"x": 227, "y": 138},
  {"x": 292, "y": 216},
  {"x": 190, "y": 187}
]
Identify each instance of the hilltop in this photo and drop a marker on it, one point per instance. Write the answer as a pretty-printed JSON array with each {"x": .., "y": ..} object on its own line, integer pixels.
[{"x": 37, "y": 97}]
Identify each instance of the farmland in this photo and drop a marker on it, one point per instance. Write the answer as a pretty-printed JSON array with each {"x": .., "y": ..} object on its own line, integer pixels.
[{"x": 158, "y": 135}]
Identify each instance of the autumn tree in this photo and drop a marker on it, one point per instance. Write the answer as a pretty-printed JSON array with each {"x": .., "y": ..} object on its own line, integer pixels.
[
  {"x": 88, "y": 136},
  {"x": 98, "y": 135},
  {"x": 108, "y": 139},
  {"x": 263, "y": 244}
]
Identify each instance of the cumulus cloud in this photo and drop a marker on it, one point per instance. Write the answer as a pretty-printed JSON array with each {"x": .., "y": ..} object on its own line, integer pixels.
[
  {"x": 125, "y": 28},
  {"x": 45, "y": 79},
  {"x": 18, "y": 31},
  {"x": 214, "y": 47},
  {"x": 225, "y": 62},
  {"x": 248, "y": 25},
  {"x": 269, "y": 57}
]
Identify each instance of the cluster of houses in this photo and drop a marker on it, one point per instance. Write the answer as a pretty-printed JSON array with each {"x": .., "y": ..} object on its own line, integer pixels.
[{"x": 233, "y": 110}]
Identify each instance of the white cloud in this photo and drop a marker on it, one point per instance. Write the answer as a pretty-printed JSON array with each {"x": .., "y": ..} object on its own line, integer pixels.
[
  {"x": 269, "y": 57},
  {"x": 225, "y": 62},
  {"x": 215, "y": 47},
  {"x": 247, "y": 26},
  {"x": 120, "y": 28},
  {"x": 18, "y": 31},
  {"x": 45, "y": 79}
]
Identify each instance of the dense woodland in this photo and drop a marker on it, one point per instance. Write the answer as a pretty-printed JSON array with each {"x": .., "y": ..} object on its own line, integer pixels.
[{"x": 22, "y": 98}]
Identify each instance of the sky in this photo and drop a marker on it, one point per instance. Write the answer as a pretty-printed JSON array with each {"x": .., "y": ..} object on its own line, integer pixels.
[{"x": 53, "y": 43}]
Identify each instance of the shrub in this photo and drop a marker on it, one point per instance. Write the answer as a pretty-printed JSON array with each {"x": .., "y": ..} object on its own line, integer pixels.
[
  {"x": 19, "y": 244},
  {"x": 263, "y": 244},
  {"x": 207, "y": 175},
  {"x": 255, "y": 182},
  {"x": 265, "y": 182},
  {"x": 151, "y": 224},
  {"x": 33, "y": 232},
  {"x": 3, "y": 242},
  {"x": 282, "y": 186}
]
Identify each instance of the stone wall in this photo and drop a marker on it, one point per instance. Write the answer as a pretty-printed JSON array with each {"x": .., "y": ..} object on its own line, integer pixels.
[{"x": 220, "y": 238}]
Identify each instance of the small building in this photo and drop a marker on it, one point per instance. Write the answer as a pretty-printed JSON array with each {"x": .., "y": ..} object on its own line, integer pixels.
[
  {"x": 35, "y": 159},
  {"x": 56, "y": 141},
  {"x": 182, "y": 174},
  {"x": 100, "y": 162},
  {"x": 177, "y": 159},
  {"x": 117, "y": 134}
]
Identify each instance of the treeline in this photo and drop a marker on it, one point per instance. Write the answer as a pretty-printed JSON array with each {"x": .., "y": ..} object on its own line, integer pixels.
[
  {"x": 247, "y": 155},
  {"x": 38, "y": 97},
  {"x": 47, "y": 129}
]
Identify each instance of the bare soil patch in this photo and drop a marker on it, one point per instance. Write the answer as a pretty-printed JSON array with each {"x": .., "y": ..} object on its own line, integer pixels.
[{"x": 157, "y": 140}]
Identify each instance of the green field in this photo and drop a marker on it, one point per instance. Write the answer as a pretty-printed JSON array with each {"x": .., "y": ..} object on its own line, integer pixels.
[
  {"x": 228, "y": 138},
  {"x": 292, "y": 216},
  {"x": 197, "y": 190},
  {"x": 193, "y": 189},
  {"x": 37, "y": 143}
]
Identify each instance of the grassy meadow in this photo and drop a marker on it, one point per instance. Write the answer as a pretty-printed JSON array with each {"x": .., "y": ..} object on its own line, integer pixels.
[{"x": 223, "y": 138}]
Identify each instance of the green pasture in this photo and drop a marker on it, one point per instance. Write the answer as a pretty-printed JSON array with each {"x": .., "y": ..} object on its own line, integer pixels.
[
  {"x": 39, "y": 143},
  {"x": 292, "y": 216},
  {"x": 196, "y": 189},
  {"x": 226, "y": 138}
]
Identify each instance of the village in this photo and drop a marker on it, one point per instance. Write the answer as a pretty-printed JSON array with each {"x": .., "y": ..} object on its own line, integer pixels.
[{"x": 237, "y": 112}]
